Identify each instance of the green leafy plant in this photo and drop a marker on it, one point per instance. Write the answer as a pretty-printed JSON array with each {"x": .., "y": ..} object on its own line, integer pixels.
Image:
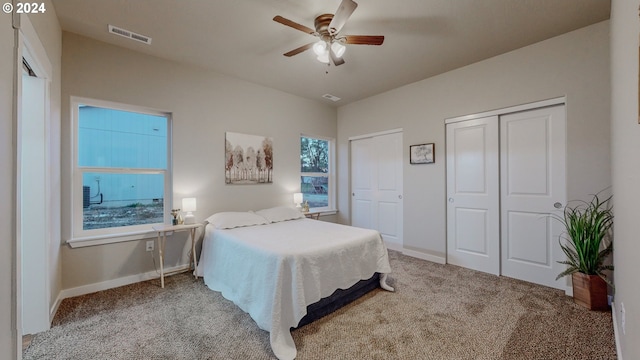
[{"x": 587, "y": 226}]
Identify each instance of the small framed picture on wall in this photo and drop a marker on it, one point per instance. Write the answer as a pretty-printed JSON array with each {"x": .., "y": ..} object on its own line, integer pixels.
[{"x": 422, "y": 154}]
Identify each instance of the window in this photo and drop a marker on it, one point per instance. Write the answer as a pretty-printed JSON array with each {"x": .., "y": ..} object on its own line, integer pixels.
[
  {"x": 316, "y": 173},
  {"x": 121, "y": 172}
]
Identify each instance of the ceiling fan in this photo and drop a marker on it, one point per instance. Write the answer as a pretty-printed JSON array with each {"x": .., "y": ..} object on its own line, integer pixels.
[{"x": 327, "y": 28}]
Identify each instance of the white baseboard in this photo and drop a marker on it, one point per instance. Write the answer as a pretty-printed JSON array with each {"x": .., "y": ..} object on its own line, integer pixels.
[
  {"x": 568, "y": 290},
  {"x": 393, "y": 246},
  {"x": 415, "y": 254},
  {"x": 54, "y": 307},
  {"x": 615, "y": 330},
  {"x": 110, "y": 284},
  {"x": 423, "y": 256}
]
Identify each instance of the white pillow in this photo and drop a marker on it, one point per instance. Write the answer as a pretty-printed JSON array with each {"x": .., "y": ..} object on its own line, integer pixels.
[
  {"x": 231, "y": 219},
  {"x": 280, "y": 213}
]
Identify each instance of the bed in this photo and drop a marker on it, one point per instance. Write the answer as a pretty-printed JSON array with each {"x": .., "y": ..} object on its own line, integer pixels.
[{"x": 277, "y": 265}]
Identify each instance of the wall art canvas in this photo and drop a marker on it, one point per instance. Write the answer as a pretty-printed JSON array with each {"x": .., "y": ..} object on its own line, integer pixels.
[
  {"x": 421, "y": 154},
  {"x": 248, "y": 159}
]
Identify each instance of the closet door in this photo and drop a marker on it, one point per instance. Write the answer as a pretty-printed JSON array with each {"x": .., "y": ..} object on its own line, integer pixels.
[
  {"x": 389, "y": 188},
  {"x": 363, "y": 173},
  {"x": 473, "y": 234},
  {"x": 376, "y": 186},
  {"x": 532, "y": 188}
]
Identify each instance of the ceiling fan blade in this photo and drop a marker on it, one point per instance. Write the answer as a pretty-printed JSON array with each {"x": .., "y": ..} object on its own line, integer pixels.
[
  {"x": 341, "y": 16},
  {"x": 364, "y": 39},
  {"x": 299, "y": 50},
  {"x": 293, "y": 24},
  {"x": 337, "y": 61}
]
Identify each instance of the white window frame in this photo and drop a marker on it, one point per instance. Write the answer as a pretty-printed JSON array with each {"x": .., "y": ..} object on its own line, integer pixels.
[
  {"x": 81, "y": 237},
  {"x": 331, "y": 207}
]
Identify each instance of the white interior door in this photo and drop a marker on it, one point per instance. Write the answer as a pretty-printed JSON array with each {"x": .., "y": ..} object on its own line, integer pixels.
[
  {"x": 389, "y": 188},
  {"x": 473, "y": 194},
  {"x": 362, "y": 187},
  {"x": 532, "y": 187},
  {"x": 34, "y": 216},
  {"x": 376, "y": 171}
]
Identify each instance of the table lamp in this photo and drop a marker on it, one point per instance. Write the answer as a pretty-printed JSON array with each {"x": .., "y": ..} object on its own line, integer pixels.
[
  {"x": 189, "y": 205},
  {"x": 297, "y": 199}
]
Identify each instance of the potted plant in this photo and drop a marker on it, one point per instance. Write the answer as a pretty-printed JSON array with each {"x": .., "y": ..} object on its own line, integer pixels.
[{"x": 587, "y": 245}]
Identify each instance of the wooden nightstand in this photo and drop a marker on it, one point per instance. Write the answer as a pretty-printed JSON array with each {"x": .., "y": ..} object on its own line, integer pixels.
[
  {"x": 162, "y": 231},
  {"x": 315, "y": 215}
]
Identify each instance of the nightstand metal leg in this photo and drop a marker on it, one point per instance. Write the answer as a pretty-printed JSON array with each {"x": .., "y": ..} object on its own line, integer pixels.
[
  {"x": 161, "y": 241},
  {"x": 193, "y": 253}
]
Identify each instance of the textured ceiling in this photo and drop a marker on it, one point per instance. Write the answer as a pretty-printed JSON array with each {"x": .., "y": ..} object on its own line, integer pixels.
[{"x": 423, "y": 38}]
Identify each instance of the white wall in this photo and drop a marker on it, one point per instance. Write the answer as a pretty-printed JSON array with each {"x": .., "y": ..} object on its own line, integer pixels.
[
  {"x": 575, "y": 65},
  {"x": 8, "y": 334},
  {"x": 625, "y": 139},
  {"x": 205, "y": 105}
]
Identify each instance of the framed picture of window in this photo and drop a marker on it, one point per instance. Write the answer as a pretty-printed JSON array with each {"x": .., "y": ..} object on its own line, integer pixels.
[{"x": 422, "y": 154}]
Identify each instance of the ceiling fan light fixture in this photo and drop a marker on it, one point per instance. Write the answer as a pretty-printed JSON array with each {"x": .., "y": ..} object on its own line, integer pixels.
[
  {"x": 324, "y": 58},
  {"x": 331, "y": 45},
  {"x": 338, "y": 49},
  {"x": 320, "y": 48}
]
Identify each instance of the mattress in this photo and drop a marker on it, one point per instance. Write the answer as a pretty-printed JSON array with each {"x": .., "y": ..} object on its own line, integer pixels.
[{"x": 273, "y": 272}]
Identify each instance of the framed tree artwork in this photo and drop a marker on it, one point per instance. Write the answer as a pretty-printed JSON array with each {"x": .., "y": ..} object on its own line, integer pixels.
[
  {"x": 422, "y": 154},
  {"x": 248, "y": 159}
]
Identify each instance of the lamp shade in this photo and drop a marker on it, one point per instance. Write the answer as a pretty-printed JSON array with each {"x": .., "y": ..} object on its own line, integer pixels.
[
  {"x": 320, "y": 47},
  {"x": 324, "y": 58},
  {"x": 297, "y": 199},
  {"x": 189, "y": 204},
  {"x": 338, "y": 49}
]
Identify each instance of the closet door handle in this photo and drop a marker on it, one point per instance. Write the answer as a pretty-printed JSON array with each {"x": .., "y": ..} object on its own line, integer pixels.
[{"x": 557, "y": 205}]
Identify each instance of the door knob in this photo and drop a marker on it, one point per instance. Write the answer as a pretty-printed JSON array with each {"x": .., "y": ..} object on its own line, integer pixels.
[
  {"x": 557, "y": 205},
  {"x": 399, "y": 196},
  {"x": 450, "y": 199},
  {"x": 353, "y": 194}
]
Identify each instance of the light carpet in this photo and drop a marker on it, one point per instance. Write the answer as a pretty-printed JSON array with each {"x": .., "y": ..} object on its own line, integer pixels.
[{"x": 437, "y": 312}]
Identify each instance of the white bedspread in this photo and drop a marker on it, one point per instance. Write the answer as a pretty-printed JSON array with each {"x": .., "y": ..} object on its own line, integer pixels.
[{"x": 274, "y": 271}]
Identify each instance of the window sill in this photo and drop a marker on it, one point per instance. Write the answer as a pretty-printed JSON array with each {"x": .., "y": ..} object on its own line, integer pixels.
[{"x": 80, "y": 242}]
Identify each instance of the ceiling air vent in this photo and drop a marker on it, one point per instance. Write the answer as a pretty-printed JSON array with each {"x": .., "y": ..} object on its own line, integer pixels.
[
  {"x": 330, "y": 97},
  {"x": 129, "y": 34}
]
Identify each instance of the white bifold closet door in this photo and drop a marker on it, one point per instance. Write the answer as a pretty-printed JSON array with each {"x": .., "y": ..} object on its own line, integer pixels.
[
  {"x": 376, "y": 186},
  {"x": 532, "y": 188},
  {"x": 473, "y": 212},
  {"x": 505, "y": 177}
]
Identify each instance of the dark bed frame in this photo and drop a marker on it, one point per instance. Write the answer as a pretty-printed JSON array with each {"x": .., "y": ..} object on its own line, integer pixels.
[{"x": 338, "y": 299}]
